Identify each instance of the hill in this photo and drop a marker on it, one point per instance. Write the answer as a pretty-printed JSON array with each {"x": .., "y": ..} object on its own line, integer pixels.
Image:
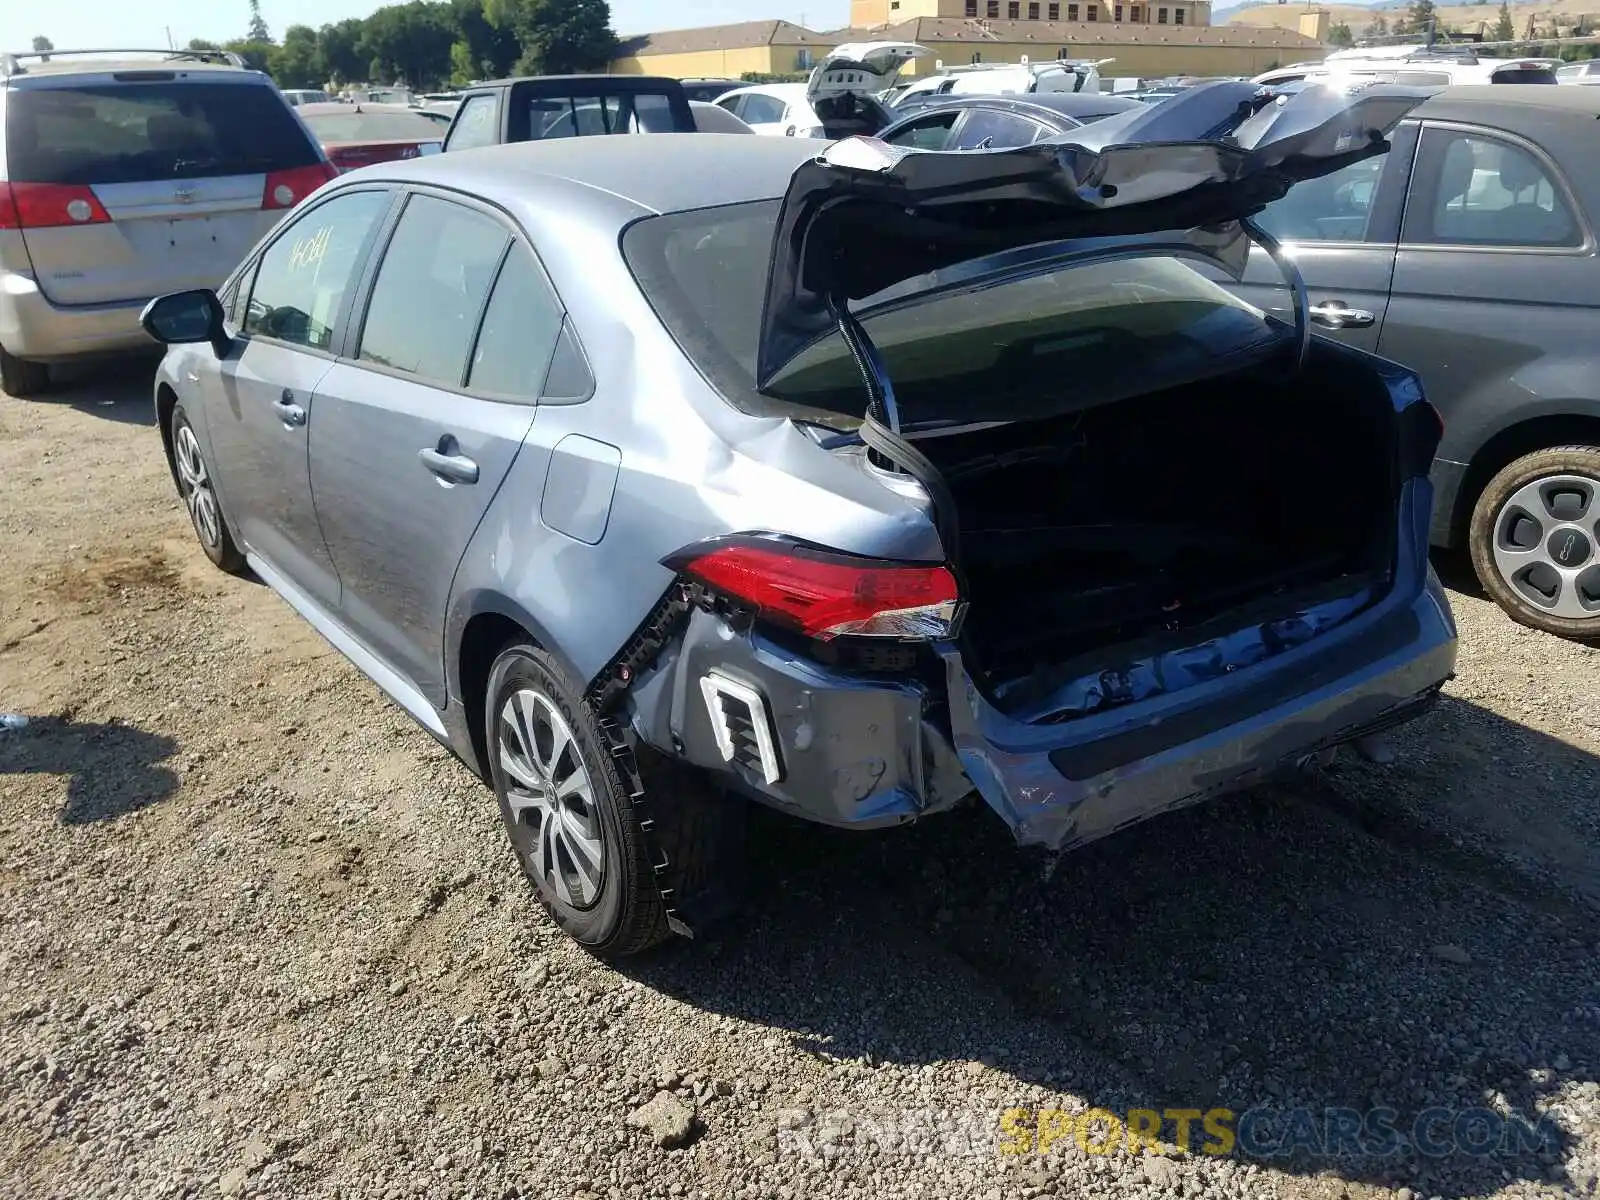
[{"x": 1549, "y": 15}]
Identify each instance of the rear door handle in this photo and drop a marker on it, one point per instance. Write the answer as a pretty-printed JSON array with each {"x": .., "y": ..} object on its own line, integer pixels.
[
  {"x": 447, "y": 463},
  {"x": 1336, "y": 314},
  {"x": 290, "y": 413}
]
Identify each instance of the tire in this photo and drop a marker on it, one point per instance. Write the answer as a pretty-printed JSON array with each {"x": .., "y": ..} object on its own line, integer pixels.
[
  {"x": 594, "y": 874},
  {"x": 200, "y": 497},
  {"x": 20, "y": 378},
  {"x": 1535, "y": 540}
]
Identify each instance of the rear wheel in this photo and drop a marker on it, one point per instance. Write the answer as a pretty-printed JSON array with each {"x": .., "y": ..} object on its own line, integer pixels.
[
  {"x": 573, "y": 822},
  {"x": 200, "y": 496},
  {"x": 20, "y": 378},
  {"x": 1535, "y": 540}
]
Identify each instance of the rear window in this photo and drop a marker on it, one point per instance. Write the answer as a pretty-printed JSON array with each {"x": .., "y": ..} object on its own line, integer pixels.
[
  {"x": 590, "y": 115},
  {"x": 133, "y": 132},
  {"x": 1095, "y": 330},
  {"x": 375, "y": 127},
  {"x": 1524, "y": 75}
]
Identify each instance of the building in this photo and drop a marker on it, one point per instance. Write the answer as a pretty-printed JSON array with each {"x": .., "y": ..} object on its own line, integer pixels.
[
  {"x": 1134, "y": 36},
  {"x": 864, "y": 14}
]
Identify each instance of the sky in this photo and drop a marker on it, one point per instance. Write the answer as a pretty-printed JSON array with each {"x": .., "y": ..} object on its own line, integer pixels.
[{"x": 92, "y": 24}]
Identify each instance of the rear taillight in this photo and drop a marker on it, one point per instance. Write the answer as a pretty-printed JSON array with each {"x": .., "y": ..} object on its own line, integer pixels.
[
  {"x": 824, "y": 594},
  {"x": 49, "y": 205},
  {"x": 285, "y": 189}
]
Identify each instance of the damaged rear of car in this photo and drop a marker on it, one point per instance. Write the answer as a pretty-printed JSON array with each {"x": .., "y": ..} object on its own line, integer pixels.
[{"x": 1154, "y": 544}]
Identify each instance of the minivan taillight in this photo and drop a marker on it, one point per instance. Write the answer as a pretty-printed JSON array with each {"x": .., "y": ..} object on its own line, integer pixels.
[
  {"x": 825, "y": 594},
  {"x": 285, "y": 189},
  {"x": 49, "y": 205}
]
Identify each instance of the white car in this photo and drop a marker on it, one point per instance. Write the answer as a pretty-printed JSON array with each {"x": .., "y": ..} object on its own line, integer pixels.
[
  {"x": 1587, "y": 72},
  {"x": 1414, "y": 66},
  {"x": 1007, "y": 79},
  {"x": 841, "y": 92}
]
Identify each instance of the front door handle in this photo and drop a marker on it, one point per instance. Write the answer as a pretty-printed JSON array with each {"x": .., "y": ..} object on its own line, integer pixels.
[
  {"x": 1336, "y": 314},
  {"x": 290, "y": 413},
  {"x": 446, "y": 461}
]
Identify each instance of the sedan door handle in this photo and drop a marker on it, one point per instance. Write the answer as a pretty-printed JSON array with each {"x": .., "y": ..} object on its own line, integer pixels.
[
  {"x": 290, "y": 413},
  {"x": 450, "y": 467},
  {"x": 1336, "y": 314}
]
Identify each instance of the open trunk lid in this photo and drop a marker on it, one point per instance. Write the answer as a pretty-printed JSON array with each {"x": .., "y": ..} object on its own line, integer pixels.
[
  {"x": 864, "y": 216},
  {"x": 860, "y": 68}
]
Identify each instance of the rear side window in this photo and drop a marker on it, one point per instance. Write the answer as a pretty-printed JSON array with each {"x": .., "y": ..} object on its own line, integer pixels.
[
  {"x": 1478, "y": 190},
  {"x": 519, "y": 332},
  {"x": 430, "y": 290},
  {"x": 136, "y": 132},
  {"x": 539, "y": 117},
  {"x": 1524, "y": 75},
  {"x": 1096, "y": 329}
]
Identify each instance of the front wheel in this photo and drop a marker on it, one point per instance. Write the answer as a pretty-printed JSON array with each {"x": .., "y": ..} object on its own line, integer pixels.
[
  {"x": 578, "y": 833},
  {"x": 1535, "y": 540}
]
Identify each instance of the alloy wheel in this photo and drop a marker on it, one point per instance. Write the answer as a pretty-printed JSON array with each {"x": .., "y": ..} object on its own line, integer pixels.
[
  {"x": 195, "y": 483},
  {"x": 1546, "y": 545},
  {"x": 549, "y": 790}
]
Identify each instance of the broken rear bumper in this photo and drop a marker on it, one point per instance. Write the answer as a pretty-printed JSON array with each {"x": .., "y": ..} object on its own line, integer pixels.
[{"x": 1064, "y": 785}]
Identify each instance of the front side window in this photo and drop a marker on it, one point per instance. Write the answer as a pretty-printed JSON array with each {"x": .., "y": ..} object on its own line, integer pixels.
[
  {"x": 1478, "y": 190},
  {"x": 474, "y": 125},
  {"x": 762, "y": 110},
  {"x": 429, "y": 293},
  {"x": 1335, "y": 208},
  {"x": 306, "y": 273}
]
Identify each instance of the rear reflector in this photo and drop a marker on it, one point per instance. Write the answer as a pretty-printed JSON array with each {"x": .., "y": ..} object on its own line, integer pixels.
[
  {"x": 49, "y": 205},
  {"x": 285, "y": 189},
  {"x": 824, "y": 594}
]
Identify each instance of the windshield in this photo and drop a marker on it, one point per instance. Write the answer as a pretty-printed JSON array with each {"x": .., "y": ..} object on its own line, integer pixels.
[
  {"x": 135, "y": 132},
  {"x": 375, "y": 127},
  {"x": 1087, "y": 331}
]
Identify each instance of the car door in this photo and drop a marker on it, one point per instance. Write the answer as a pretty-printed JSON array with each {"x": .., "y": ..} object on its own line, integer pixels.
[
  {"x": 1495, "y": 280},
  {"x": 765, "y": 114},
  {"x": 476, "y": 123},
  {"x": 1341, "y": 230},
  {"x": 261, "y": 407},
  {"x": 421, "y": 419}
]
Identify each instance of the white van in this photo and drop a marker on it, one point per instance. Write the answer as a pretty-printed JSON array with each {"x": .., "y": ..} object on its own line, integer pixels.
[{"x": 1416, "y": 66}]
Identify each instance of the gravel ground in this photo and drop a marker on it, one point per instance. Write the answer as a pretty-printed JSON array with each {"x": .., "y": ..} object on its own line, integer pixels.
[{"x": 260, "y": 936}]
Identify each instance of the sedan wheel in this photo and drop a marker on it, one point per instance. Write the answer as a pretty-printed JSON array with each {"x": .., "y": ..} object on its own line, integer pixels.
[
  {"x": 1536, "y": 540},
  {"x": 200, "y": 496}
]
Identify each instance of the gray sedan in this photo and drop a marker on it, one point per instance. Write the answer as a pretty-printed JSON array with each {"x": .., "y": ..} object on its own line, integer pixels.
[{"x": 649, "y": 474}]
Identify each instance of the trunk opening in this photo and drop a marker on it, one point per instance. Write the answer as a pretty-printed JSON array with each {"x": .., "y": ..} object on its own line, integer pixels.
[{"x": 1096, "y": 542}]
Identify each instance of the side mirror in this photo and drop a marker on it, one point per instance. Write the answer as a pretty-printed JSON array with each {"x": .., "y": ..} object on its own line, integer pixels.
[{"x": 183, "y": 318}]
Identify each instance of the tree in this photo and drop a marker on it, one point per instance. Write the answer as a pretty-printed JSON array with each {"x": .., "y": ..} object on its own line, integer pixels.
[
  {"x": 557, "y": 36},
  {"x": 483, "y": 49},
  {"x": 258, "y": 31},
  {"x": 43, "y": 45},
  {"x": 1376, "y": 28},
  {"x": 257, "y": 55},
  {"x": 1504, "y": 30},
  {"x": 409, "y": 42},
  {"x": 342, "y": 57},
  {"x": 1339, "y": 35},
  {"x": 298, "y": 63},
  {"x": 1420, "y": 17}
]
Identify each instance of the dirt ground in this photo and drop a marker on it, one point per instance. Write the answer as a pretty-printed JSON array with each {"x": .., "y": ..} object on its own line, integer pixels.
[{"x": 260, "y": 935}]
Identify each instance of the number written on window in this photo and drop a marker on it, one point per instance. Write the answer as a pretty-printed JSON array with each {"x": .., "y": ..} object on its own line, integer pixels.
[{"x": 305, "y": 275}]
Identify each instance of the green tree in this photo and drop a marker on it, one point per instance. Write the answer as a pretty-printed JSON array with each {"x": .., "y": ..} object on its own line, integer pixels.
[
  {"x": 557, "y": 36},
  {"x": 1376, "y": 28},
  {"x": 202, "y": 44},
  {"x": 257, "y": 30},
  {"x": 483, "y": 50},
  {"x": 411, "y": 42},
  {"x": 1421, "y": 17},
  {"x": 1504, "y": 30},
  {"x": 257, "y": 55},
  {"x": 43, "y": 45},
  {"x": 1339, "y": 35},
  {"x": 340, "y": 46},
  {"x": 298, "y": 62}
]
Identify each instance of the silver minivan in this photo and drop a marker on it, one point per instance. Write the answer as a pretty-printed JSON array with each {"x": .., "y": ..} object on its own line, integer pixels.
[{"x": 125, "y": 175}]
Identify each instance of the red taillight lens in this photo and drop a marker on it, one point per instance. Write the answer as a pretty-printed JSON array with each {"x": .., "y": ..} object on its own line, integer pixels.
[
  {"x": 49, "y": 205},
  {"x": 285, "y": 189},
  {"x": 827, "y": 595}
]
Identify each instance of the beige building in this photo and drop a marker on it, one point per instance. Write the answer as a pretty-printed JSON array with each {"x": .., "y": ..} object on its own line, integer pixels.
[
  {"x": 1102, "y": 30},
  {"x": 864, "y": 14}
]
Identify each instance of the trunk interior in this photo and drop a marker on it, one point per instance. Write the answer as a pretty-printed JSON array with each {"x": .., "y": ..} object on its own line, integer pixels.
[{"x": 1092, "y": 539}]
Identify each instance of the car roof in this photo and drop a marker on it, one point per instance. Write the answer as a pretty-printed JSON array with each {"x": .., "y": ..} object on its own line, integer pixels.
[
  {"x": 1520, "y": 104},
  {"x": 634, "y": 82},
  {"x": 32, "y": 68},
  {"x": 766, "y": 89},
  {"x": 338, "y": 108},
  {"x": 1070, "y": 104},
  {"x": 657, "y": 173}
]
